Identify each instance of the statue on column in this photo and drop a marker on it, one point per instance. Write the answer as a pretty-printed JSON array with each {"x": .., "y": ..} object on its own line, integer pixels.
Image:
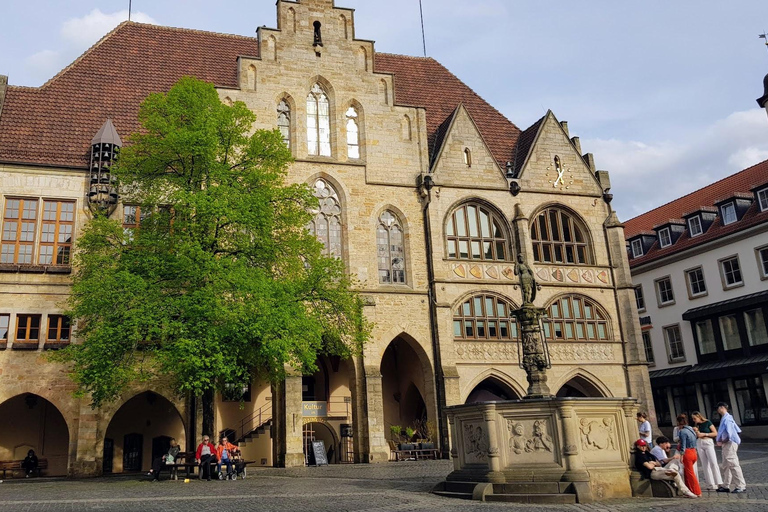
[{"x": 528, "y": 283}]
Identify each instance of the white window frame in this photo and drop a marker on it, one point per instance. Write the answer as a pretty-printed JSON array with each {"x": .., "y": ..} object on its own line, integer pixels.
[
  {"x": 637, "y": 248},
  {"x": 639, "y": 288},
  {"x": 697, "y": 218},
  {"x": 762, "y": 199},
  {"x": 689, "y": 284},
  {"x": 762, "y": 266},
  {"x": 729, "y": 207},
  {"x": 658, "y": 291},
  {"x": 721, "y": 263},
  {"x": 665, "y": 233},
  {"x": 666, "y": 330}
]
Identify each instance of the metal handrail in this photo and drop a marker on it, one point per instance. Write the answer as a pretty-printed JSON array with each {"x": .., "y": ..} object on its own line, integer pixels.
[{"x": 255, "y": 420}]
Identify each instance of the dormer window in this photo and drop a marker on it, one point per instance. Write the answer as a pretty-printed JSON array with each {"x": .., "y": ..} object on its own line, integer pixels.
[
  {"x": 665, "y": 239},
  {"x": 728, "y": 211},
  {"x": 694, "y": 226},
  {"x": 637, "y": 248},
  {"x": 762, "y": 199}
]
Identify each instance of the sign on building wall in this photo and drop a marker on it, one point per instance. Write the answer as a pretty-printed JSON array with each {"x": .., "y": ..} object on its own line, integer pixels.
[{"x": 314, "y": 409}]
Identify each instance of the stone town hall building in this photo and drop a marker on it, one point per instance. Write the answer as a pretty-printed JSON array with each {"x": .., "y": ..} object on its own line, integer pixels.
[{"x": 428, "y": 191}]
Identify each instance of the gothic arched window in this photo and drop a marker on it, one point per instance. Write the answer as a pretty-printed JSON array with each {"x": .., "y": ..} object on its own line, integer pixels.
[
  {"x": 391, "y": 251},
  {"x": 484, "y": 317},
  {"x": 318, "y": 122},
  {"x": 284, "y": 121},
  {"x": 473, "y": 232},
  {"x": 559, "y": 237},
  {"x": 576, "y": 318},
  {"x": 353, "y": 134},
  {"x": 326, "y": 225}
]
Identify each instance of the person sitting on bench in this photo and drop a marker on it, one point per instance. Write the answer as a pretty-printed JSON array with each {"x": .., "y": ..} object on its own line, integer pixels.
[
  {"x": 652, "y": 469},
  {"x": 168, "y": 458},
  {"x": 29, "y": 465},
  {"x": 206, "y": 452},
  {"x": 225, "y": 451}
]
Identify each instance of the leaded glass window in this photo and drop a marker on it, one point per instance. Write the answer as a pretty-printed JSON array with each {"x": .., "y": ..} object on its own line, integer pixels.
[
  {"x": 353, "y": 134},
  {"x": 284, "y": 121},
  {"x": 326, "y": 225},
  {"x": 318, "y": 122},
  {"x": 485, "y": 317},
  {"x": 391, "y": 253},
  {"x": 19, "y": 228},
  {"x": 475, "y": 233},
  {"x": 558, "y": 237},
  {"x": 576, "y": 318}
]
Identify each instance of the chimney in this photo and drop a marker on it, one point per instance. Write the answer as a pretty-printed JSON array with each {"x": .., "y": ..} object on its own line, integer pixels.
[
  {"x": 3, "y": 88},
  {"x": 564, "y": 124}
]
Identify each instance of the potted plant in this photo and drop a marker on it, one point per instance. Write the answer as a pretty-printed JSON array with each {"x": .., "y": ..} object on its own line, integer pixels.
[{"x": 395, "y": 430}]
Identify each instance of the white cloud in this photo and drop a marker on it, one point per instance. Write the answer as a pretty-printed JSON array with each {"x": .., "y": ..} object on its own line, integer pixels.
[
  {"x": 647, "y": 174},
  {"x": 85, "y": 31},
  {"x": 44, "y": 63}
]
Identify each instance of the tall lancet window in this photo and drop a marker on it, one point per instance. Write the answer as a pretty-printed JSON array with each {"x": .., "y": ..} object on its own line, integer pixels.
[
  {"x": 318, "y": 122},
  {"x": 389, "y": 239},
  {"x": 326, "y": 225},
  {"x": 284, "y": 121},
  {"x": 353, "y": 134}
]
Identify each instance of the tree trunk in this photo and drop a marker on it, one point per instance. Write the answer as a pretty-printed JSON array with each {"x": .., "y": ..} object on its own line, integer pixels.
[{"x": 208, "y": 414}]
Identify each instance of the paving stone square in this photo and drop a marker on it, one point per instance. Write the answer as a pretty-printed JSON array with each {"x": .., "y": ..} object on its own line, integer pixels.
[{"x": 401, "y": 487}]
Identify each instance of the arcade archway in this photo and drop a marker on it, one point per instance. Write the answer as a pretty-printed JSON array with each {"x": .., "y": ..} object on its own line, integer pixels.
[
  {"x": 30, "y": 422},
  {"x": 491, "y": 389},
  {"x": 580, "y": 387},
  {"x": 406, "y": 377},
  {"x": 140, "y": 431}
]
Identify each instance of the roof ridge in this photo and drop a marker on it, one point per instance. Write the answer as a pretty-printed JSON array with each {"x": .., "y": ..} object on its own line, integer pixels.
[
  {"x": 128, "y": 23},
  {"x": 84, "y": 54},
  {"x": 697, "y": 191},
  {"x": 406, "y": 56},
  {"x": 193, "y": 30}
]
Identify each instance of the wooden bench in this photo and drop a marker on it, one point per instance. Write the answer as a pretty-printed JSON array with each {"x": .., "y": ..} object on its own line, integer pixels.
[
  {"x": 416, "y": 454},
  {"x": 15, "y": 465},
  {"x": 186, "y": 461}
]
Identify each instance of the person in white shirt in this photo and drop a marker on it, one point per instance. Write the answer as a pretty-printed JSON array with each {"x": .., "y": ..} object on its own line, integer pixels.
[
  {"x": 661, "y": 452},
  {"x": 645, "y": 430}
]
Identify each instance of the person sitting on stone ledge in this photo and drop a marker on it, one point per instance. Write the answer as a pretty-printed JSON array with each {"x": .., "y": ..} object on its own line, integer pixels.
[
  {"x": 661, "y": 452},
  {"x": 650, "y": 467}
]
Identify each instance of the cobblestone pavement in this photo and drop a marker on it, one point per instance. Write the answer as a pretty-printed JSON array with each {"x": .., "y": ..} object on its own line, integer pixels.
[{"x": 397, "y": 487}]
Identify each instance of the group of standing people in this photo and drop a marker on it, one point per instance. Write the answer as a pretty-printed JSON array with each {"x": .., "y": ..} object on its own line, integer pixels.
[{"x": 696, "y": 441}]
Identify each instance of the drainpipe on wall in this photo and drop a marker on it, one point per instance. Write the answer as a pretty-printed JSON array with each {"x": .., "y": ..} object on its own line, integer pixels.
[{"x": 425, "y": 184}]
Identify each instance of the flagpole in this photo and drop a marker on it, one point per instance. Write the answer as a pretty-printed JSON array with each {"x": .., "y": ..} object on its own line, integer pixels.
[
  {"x": 129, "y": 9},
  {"x": 423, "y": 36}
]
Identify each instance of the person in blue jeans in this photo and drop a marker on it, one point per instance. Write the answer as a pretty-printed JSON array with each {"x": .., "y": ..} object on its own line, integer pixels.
[{"x": 224, "y": 452}]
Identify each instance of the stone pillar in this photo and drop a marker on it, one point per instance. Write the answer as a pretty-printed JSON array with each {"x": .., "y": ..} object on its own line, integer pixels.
[
  {"x": 377, "y": 436},
  {"x": 454, "y": 451},
  {"x": 90, "y": 443},
  {"x": 494, "y": 459},
  {"x": 535, "y": 357},
  {"x": 575, "y": 470},
  {"x": 522, "y": 229},
  {"x": 361, "y": 439},
  {"x": 288, "y": 441},
  {"x": 636, "y": 366}
]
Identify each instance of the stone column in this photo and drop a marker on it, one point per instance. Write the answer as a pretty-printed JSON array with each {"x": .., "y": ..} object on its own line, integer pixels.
[
  {"x": 522, "y": 229},
  {"x": 377, "y": 436},
  {"x": 638, "y": 381},
  {"x": 361, "y": 439},
  {"x": 454, "y": 451},
  {"x": 575, "y": 469},
  {"x": 90, "y": 443},
  {"x": 535, "y": 358},
  {"x": 494, "y": 454},
  {"x": 288, "y": 441}
]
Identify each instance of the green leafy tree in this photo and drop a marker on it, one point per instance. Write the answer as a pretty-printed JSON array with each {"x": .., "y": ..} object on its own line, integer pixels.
[{"x": 221, "y": 277}]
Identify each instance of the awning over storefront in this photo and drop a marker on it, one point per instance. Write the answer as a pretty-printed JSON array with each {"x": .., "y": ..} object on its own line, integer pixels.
[
  {"x": 726, "y": 306},
  {"x": 733, "y": 368},
  {"x": 669, "y": 376}
]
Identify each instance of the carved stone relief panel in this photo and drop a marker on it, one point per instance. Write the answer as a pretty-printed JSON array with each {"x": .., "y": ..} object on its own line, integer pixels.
[
  {"x": 598, "y": 434},
  {"x": 475, "y": 440},
  {"x": 559, "y": 352},
  {"x": 530, "y": 441}
]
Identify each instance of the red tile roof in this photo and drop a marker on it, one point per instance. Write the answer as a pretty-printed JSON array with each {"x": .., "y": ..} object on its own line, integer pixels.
[
  {"x": 424, "y": 82},
  {"x": 743, "y": 181},
  {"x": 737, "y": 185},
  {"x": 54, "y": 124}
]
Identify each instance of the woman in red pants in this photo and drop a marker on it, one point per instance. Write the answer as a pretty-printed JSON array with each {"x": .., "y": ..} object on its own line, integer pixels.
[{"x": 688, "y": 449}]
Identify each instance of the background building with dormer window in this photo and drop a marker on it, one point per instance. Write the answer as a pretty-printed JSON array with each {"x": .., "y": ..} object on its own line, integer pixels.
[{"x": 700, "y": 269}]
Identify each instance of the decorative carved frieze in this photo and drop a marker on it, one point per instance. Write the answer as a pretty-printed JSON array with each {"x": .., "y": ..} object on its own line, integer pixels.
[
  {"x": 549, "y": 274},
  {"x": 478, "y": 351}
]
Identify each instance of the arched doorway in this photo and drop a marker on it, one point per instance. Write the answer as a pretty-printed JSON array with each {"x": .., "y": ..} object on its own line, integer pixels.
[
  {"x": 492, "y": 389},
  {"x": 139, "y": 431},
  {"x": 579, "y": 387},
  {"x": 30, "y": 422},
  {"x": 319, "y": 431},
  {"x": 406, "y": 382}
]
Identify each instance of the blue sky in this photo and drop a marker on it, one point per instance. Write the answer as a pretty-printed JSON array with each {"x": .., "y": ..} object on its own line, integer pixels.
[{"x": 662, "y": 92}]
